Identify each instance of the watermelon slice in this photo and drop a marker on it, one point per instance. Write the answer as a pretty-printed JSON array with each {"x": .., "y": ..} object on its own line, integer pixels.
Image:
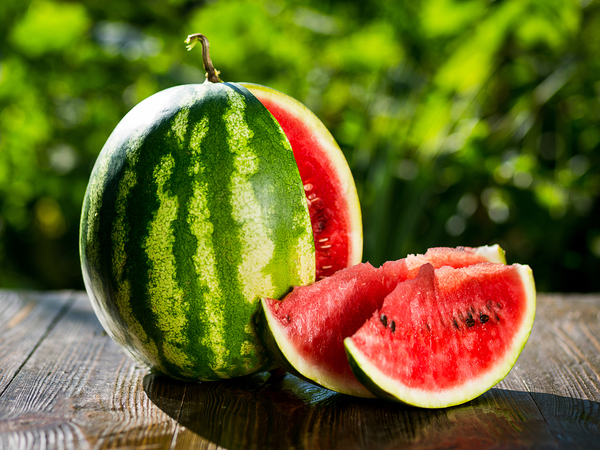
[
  {"x": 446, "y": 336},
  {"x": 305, "y": 331},
  {"x": 328, "y": 183}
]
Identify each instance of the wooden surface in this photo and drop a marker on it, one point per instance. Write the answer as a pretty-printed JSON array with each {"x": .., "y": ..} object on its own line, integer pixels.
[{"x": 65, "y": 384}]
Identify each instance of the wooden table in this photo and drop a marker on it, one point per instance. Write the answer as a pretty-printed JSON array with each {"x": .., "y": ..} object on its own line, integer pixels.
[{"x": 65, "y": 384}]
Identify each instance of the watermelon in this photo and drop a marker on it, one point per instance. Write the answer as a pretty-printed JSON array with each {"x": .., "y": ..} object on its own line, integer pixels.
[
  {"x": 196, "y": 209},
  {"x": 446, "y": 336},
  {"x": 305, "y": 331}
]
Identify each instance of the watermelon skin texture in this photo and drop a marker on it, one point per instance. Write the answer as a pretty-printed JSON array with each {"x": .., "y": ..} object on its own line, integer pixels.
[
  {"x": 194, "y": 211},
  {"x": 330, "y": 190}
]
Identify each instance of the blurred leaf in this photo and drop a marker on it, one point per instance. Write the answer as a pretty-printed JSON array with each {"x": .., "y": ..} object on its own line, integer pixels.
[
  {"x": 465, "y": 122},
  {"x": 373, "y": 48},
  {"x": 50, "y": 26},
  {"x": 450, "y": 17}
]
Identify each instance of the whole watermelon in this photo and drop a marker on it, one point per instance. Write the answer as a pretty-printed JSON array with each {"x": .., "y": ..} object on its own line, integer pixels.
[{"x": 194, "y": 211}]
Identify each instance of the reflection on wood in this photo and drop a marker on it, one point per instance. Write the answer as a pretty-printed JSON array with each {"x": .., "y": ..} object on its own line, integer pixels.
[{"x": 263, "y": 411}]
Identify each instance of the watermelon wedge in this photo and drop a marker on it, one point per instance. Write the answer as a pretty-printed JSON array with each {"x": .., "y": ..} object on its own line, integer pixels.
[
  {"x": 305, "y": 331},
  {"x": 446, "y": 336},
  {"x": 328, "y": 182}
]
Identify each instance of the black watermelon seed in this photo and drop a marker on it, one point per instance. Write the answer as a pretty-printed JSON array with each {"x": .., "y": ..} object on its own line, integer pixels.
[
  {"x": 484, "y": 318},
  {"x": 393, "y": 326},
  {"x": 456, "y": 324},
  {"x": 383, "y": 319},
  {"x": 470, "y": 322}
]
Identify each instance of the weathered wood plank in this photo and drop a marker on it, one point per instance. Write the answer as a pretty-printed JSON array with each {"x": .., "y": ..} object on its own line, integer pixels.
[
  {"x": 25, "y": 318},
  {"x": 560, "y": 368},
  {"x": 77, "y": 390}
]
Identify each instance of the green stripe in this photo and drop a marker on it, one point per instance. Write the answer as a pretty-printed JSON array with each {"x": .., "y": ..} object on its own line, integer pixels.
[
  {"x": 219, "y": 338},
  {"x": 165, "y": 294},
  {"x": 257, "y": 248},
  {"x": 204, "y": 257},
  {"x": 119, "y": 238},
  {"x": 137, "y": 205}
]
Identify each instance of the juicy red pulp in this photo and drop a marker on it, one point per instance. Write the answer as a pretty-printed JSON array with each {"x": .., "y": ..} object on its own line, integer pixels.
[
  {"x": 329, "y": 222},
  {"x": 450, "y": 325}
]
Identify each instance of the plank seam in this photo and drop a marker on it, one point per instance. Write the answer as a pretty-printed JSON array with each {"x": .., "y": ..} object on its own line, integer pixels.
[
  {"x": 550, "y": 429},
  {"x": 61, "y": 313},
  {"x": 177, "y": 424}
]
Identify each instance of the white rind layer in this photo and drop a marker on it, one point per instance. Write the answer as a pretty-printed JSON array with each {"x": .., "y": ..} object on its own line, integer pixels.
[
  {"x": 493, "y": 253},
  {"x": 304, "y": 368}
]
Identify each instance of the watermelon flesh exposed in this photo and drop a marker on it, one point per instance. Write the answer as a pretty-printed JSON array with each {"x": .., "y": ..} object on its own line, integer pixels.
[
  {"x": 305, "y": 332},
  {"x": 446, "y": 336},
  {"x": 328, "y": 183}
]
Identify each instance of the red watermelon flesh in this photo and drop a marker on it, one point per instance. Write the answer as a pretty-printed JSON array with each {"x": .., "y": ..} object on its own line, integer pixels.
[
  {"x": 328, "y": 183},
  {"x": 446, "y": 336},
  {"x": 305, "y": 331}
]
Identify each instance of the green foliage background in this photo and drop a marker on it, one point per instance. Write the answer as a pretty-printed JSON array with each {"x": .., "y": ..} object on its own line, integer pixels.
[{"x": 465, "y": 122}]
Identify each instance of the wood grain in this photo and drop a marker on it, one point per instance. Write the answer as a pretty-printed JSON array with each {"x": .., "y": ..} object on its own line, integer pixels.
[
  {"x": 24, "y": 321},
  {"x": 560, "y": 368},
  {"x": 65, "y": 384},
  {"x": 77, "y": 390}
]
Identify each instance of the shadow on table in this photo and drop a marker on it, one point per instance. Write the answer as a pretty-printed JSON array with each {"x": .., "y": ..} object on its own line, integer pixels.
[{"x": 267, "y": 411}]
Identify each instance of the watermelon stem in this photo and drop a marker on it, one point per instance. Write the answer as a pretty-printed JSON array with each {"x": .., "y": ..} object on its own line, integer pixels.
[{"x": 212, "y": 74}]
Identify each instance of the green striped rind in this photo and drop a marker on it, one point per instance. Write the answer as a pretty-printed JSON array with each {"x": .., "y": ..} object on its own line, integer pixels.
[
  {"x": 195, "y": 209},
  {"x": 384, "y": 386},
  {"x": 265, "y": 324},
  {"x": 332, "y": 155},
  {"x": 284, "y": 352}
]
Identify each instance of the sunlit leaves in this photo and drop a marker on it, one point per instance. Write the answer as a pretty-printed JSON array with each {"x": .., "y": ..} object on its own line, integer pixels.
[
  {"x": 50, "y": 26},
  {"x": 372, "y": 48},
  {"x": 449, "y": 18},
  {"x": 550, "y": 24},
  {"x": 465, "y": 122}
]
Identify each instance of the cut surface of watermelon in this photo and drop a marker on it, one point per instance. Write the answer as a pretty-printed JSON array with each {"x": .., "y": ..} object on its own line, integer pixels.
[
  {"x": 446, "y": 336},
  {"x": 328, "y": 183},
  {"x": 305, "y": 331}
]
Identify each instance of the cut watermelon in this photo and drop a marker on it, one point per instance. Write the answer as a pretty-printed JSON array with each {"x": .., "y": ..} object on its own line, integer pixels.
[
  {"x": 328, "y": 183},
  {"x": 196, "y": 209},
  {"x": 446, "y": 336},
  {"x": 304, "y": 333}
]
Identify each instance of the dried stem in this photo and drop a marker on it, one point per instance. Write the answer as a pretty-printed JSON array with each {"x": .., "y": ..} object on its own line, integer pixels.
[{"x": 212, "y": 74}]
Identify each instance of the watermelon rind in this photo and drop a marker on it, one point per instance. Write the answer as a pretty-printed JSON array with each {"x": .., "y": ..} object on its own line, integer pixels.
[
  {"x": 493, "y": 253},
  {"x": 338, "y": 167},
  {"x": 195, "y": 210},
  {"x": 386, "y": 387},
  {"x": 284, "y": 353}
]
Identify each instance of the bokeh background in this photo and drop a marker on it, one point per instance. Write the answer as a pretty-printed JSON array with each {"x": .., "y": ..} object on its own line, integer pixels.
[{"x": 465, "y": 122}]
